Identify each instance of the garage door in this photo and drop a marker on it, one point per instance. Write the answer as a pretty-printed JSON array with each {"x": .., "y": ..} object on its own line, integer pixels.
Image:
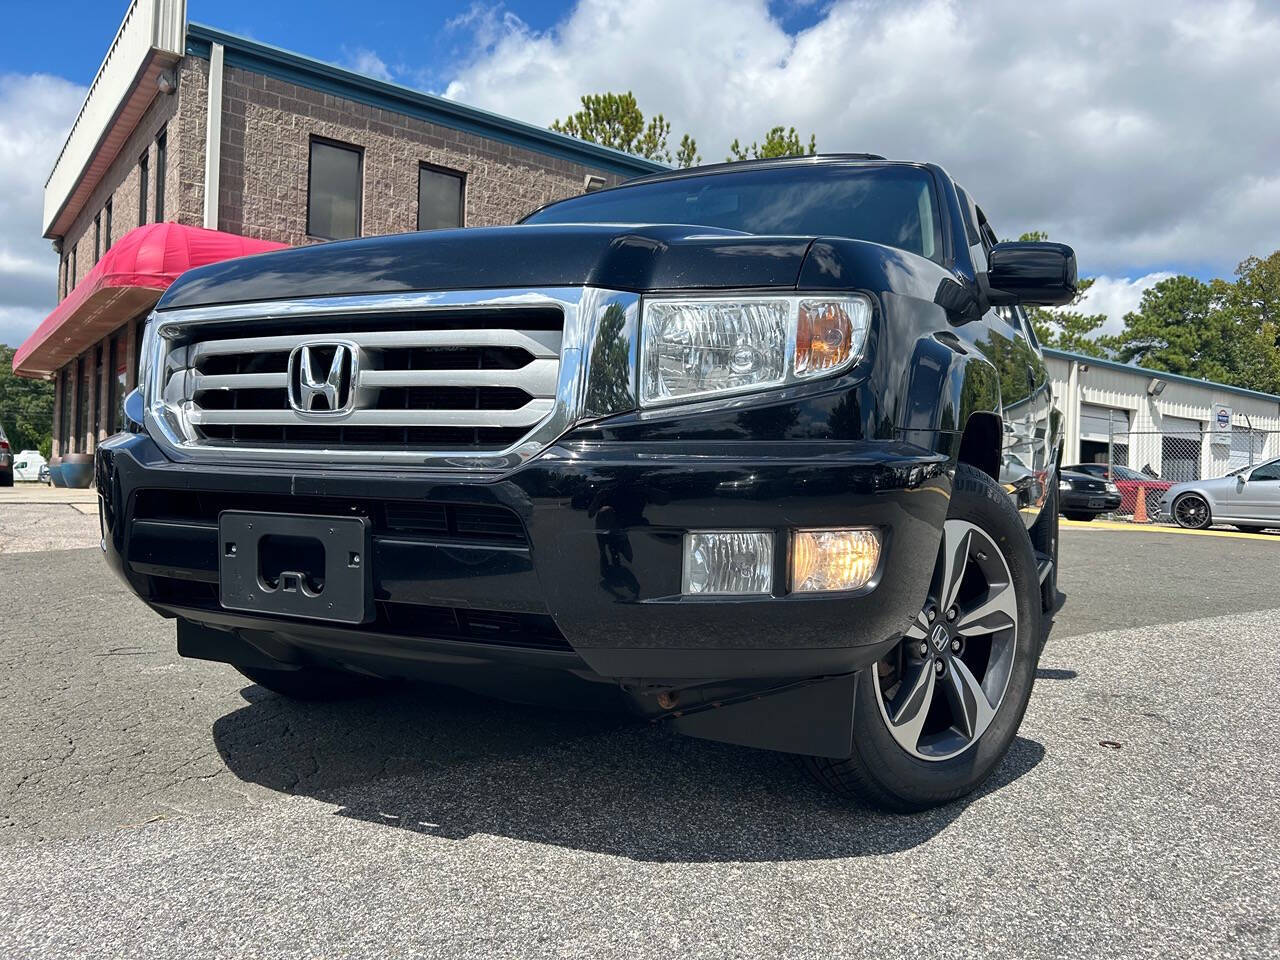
[
  {"x": 1093, "y": 422},
  {"x": 1180, "y": 441}
]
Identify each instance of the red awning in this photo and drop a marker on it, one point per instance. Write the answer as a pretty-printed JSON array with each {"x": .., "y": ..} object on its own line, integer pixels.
[{"x": 127, "y": 281}]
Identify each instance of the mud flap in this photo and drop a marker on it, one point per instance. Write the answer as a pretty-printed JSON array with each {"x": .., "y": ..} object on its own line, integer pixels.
[
  {"x": 199, "y": 642},
  {"x": 814, "y": 718}
]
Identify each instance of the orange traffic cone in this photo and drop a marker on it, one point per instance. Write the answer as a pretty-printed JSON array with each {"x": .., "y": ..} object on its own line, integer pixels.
[{"x": 1140, "y": 508}]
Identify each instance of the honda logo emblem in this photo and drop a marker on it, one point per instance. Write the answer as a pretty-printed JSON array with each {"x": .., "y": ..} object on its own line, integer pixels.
[{"x": 323, "y": 377}]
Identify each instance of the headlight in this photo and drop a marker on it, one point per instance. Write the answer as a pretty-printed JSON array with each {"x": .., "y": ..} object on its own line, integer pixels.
[
  {"x": 697, "y": 347},
  {"x": 1112, "y": 488},
  {"x": 1064, "y": 484}
]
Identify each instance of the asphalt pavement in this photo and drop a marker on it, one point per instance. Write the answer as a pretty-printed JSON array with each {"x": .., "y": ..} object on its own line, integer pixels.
[{"x": 156, "y": 807}]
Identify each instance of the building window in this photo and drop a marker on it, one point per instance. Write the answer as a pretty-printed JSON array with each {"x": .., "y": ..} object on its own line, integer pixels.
[
  {"x": 106, "y": 215},
  {"x": 440, "y": 198},
  {"x": 71, "y": 279},
  {"x": 97, "y": 238},
  {"x": 333, "y": 191},
  {"x": 65, "y": 274},
  {"x": 144, "y": 162},
  {"x": 162, "y": 149}
]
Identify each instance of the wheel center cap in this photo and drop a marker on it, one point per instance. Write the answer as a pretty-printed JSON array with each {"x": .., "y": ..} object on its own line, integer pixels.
[{"x": 939, "y": 638}]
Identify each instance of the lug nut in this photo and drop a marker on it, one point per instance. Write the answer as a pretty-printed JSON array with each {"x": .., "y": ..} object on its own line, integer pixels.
[
  {"x": 951, "y": 614},
  {"x": 932, "y": 615},
  {"x": 938, "y": 666},
  {"x": 924, "y": 648},
  {"x": 955, "y": 646}
]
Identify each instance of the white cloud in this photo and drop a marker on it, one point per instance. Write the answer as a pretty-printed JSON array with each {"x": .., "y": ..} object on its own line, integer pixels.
[
  {"x": 35, "y": 114},
  {"x": 363, "y": 60},
  {"x": 1116, "y": 296},
  {"x": 1144, "y": 134}
]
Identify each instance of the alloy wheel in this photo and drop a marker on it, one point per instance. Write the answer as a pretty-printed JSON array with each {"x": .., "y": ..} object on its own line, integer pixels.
[
  {"x": 1191, "y": 511},
  {"x": 940, "y": 689}
]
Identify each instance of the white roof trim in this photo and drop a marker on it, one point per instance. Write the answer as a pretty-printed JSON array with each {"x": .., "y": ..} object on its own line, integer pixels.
[{"x": 152, "y": 30}]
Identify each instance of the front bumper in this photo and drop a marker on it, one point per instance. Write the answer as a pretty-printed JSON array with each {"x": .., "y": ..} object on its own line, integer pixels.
[
  {"x": 590, "y": 574},
  {"x": 1085, "y": 501}
]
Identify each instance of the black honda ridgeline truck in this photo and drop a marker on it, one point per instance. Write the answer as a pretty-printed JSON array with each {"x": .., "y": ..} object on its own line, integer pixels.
[{"x": 764, "y": 452}]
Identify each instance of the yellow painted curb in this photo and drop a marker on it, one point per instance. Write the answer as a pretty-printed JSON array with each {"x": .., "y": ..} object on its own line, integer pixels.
[{"x": 1161, "y": 528}]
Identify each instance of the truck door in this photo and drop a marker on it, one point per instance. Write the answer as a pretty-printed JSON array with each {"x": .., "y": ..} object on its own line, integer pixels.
[{"x": 1024, "y": 398}]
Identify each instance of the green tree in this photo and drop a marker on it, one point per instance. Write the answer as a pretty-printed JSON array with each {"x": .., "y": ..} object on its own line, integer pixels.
[
  {"x": 1221, "y": 330},
  {"x": 616, "y": 120},
  {"x": 687, "y": 154},
  {"x": 1251, "y": 308},
  {"x": 1065, "y": 327},
  {"x": 26, "y": 406},
  {"x": 778, "y": 142},
  {"x": 1179, "y": 327}
]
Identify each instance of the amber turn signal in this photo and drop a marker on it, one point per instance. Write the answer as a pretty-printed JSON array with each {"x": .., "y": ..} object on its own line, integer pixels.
[
  {"x": 827, "y": 332},
  {"x": 823, "y": 560}
]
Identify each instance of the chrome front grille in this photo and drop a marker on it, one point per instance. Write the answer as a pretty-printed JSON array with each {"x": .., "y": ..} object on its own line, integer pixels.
[
  {"x": 463, "y": 388},
  {"x": 455, "y": 380}
]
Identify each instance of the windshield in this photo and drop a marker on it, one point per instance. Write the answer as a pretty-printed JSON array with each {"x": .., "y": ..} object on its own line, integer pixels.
[
  {"x": 893, "y": 205},
  {"x": 1126, "y": 473}
]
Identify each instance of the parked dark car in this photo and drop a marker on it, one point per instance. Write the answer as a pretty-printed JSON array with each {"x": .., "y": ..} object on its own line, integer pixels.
[
  {"x": 720, "y": 446},
  {"x": 1083, "y": 497},
  {"x": 1128, "y": 481}
]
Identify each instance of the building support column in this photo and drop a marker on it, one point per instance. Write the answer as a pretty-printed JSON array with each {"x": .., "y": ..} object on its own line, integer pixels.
[
  {"x": 55, "y": 447},
  {"x": 1071, "y": 444},
  {"x": 73, "y": 421},
  {"x": 131, "y": 356},
  {"x": 103, "y": 398},
  {"x": 213, "y": 138}
]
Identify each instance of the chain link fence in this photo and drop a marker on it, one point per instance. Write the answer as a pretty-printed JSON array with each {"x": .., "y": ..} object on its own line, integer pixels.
[{"x": 1146, "y": 463}]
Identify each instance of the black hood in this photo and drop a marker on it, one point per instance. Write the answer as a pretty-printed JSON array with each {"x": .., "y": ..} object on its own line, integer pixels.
[{"x": 615, "y": 256}]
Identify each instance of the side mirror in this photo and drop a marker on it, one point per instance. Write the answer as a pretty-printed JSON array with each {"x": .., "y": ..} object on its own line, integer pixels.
[
  {"x": 133, "y": 410},
  {"x": 1035, "y": 274}
]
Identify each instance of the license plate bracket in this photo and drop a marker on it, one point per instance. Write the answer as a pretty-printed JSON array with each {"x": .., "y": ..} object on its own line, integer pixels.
[
  {"x": 295, "y": 565},
  {"x": 1097, "y": 502}
]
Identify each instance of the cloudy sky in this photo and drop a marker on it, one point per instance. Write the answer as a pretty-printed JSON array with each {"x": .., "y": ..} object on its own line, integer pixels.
[{"x": 1147, "y": 135}]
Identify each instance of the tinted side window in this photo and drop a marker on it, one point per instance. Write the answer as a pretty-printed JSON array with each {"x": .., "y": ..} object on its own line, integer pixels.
[
  {"x": 1028, "y": 327},
  {"x": 1268, "y": 471},
  {"x": 970, "y": 216}
]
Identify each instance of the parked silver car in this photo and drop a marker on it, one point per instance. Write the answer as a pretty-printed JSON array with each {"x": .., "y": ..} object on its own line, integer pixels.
[{"x": 1248, "y": 498}]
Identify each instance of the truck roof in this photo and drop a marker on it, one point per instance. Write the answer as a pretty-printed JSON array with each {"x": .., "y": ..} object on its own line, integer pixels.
[{"x": 794, "y": 161}]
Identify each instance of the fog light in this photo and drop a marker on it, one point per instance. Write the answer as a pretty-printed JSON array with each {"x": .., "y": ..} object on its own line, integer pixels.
[
  {"x": 728, "y": 562},
  {"x": 833, "y": 559}
]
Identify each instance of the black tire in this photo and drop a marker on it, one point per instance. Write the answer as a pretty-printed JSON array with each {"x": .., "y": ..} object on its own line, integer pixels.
[
  {"x": 1192, "y": 512},
  {"x": 315, "y": 683},
  {"x": 1250, "y": 527},
  {"x": 883, "y": 774},
  {"x": 1078, "y": 517},
  {"x": 6, "y": 479}
]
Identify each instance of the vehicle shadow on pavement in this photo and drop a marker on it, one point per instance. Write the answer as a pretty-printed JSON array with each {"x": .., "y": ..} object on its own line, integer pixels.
[{"x": 451, "y": 764}]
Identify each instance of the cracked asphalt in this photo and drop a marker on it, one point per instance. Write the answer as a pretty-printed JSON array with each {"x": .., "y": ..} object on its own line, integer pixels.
[{"x": 155, "y": 807}]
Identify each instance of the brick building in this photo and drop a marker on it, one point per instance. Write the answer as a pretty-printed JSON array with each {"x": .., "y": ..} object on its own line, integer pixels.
[{"x": 234, "y": 147}]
